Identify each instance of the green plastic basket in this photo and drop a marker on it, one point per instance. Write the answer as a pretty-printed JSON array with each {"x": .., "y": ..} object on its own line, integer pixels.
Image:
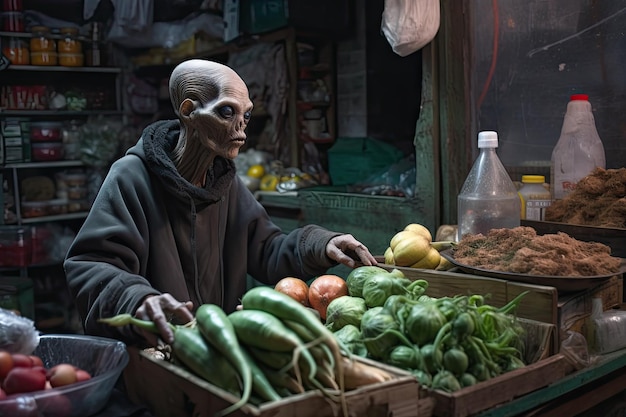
[{"x": 352, "y": 160}]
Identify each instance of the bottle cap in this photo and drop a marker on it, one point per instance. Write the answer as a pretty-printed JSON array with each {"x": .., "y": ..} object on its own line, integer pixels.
[
  {"x": 533, "y": 179},
  {"x": 582, "y": 97},
  {"x": 488, "y": 139}
]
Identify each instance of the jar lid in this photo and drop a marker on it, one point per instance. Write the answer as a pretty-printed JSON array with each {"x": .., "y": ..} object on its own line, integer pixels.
[
  {"x": 40, "y": 29},
  {"x": 533, "y": 179},
  {"x": 69, "y": 31}
]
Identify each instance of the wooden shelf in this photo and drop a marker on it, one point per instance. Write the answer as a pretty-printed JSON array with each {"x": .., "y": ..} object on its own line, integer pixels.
[
  {"x": 55, "y": 218},
  {"x": 56, "y": 68},
  {"x": 51, "y": 164},
  {"x": 60, "y": 113}
]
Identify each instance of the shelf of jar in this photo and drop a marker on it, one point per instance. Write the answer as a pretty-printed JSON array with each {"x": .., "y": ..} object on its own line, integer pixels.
[
  {"x": 50, "y": 164},
  {"x": 47, "y": 264},
  {"x": 55, "y": 36},
  {"x": 56, "y": 217},
  {"x": 60, "y": 113},
  {"x": 58, "y": 68}
]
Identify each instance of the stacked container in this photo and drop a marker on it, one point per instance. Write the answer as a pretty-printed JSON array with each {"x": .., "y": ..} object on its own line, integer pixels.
[
  {"x": 70, "y": 48},
  {"x": 46, "y": 141},
  {"x": 43, "y": 48}
]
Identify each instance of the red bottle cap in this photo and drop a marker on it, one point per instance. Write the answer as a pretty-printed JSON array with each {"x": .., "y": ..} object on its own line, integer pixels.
[{"x": 582, "y": 97}]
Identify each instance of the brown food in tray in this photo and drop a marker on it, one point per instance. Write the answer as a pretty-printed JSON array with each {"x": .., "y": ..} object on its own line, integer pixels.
[
  {"x": 521, "y": 250},
  {"x": 598, "y": 200}
]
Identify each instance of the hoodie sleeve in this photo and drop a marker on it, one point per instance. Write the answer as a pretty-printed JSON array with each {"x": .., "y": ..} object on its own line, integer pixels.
[
  {"x": 104, "y": 262},
  {"x": 274, "y": 254}
]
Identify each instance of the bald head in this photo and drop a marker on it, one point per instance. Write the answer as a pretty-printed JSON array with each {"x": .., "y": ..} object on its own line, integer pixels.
[
  {"x": 213, "y": 105},
  {"x": 202, "y": 80}
]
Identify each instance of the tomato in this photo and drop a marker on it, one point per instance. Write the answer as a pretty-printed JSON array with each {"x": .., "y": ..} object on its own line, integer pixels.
[
  {"x": 6, "y": 363},
  {"x": 36, "y": 360},
  {"x": 21, "y": 379},
  {"x": 295, "y": 288},
  {"x": 82, "y": 375},
  {"x": 22, "y": 361},
  {"x": 325, "y": 289},
  {"x": 62, "y": 374}
]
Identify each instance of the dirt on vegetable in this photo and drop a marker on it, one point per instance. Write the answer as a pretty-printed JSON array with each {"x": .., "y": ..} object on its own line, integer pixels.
[
  {"x": 521, "y": 250},
  {"x": 598, "y": 200}
]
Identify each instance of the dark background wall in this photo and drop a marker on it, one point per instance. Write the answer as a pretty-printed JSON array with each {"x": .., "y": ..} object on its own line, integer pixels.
[{"x": 548, "y": 50}]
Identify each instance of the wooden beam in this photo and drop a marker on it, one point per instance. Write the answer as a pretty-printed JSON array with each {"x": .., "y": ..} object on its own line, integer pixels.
[{"x": 427, "y": 142}]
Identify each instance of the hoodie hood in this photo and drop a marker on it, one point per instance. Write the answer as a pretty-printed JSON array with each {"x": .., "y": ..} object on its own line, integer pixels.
[{"x": 155, "y": 146}]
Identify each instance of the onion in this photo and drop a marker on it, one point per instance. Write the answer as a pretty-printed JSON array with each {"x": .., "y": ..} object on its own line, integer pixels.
[
  {"x": 325, "y": 289},
  {"x": 295, "y": 288}
]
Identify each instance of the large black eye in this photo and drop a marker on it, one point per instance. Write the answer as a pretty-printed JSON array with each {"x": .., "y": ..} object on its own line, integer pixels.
[
  {"x": 247, "y": 115},
  {"x": 226, "y": 112}
]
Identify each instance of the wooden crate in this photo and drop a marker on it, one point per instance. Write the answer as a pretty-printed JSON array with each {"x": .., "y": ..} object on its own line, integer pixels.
[
  {"x": 544, "y": 368},
  {"x": 540, "y": 304},
  {"x": 169, "y": 390},
  {"x": 567, "y": 311},
  {"x": 499, "y": 390}
]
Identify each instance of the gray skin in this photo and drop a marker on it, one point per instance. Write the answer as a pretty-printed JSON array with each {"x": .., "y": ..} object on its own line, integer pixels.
[{"x": 213, "y": 105}]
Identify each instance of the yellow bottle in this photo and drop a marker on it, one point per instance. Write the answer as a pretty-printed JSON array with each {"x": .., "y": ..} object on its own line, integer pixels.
[{"x": 534, "y": 196}]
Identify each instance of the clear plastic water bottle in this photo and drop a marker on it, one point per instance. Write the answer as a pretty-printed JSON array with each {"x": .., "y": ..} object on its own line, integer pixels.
[
  {"x": 579, "y": 149},
  {"x": 488, "y": 199}
]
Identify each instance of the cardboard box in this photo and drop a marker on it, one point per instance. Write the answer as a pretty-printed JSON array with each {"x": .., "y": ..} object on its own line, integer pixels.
[{"x": 169, "y": 390}]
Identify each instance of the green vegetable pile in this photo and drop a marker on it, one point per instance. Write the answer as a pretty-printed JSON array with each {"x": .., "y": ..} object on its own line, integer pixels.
[
  {"x": 448, "y": 343},
  {"x": 271, "y": 349}
]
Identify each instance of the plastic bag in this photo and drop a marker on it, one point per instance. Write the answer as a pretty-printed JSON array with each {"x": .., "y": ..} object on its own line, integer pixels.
[
  {"x": 574, "y": 348},
  {"x": 17, "y": 334},
  {"x": 408, "y": 25},
  {"x": 398, "y": 180}
]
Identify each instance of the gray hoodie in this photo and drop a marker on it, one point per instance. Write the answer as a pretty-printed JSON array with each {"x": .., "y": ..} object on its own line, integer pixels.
[{"x": 150, "y": 231}]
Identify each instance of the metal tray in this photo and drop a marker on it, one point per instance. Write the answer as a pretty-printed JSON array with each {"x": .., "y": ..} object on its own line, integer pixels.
[{"x": 561, "y": 283}]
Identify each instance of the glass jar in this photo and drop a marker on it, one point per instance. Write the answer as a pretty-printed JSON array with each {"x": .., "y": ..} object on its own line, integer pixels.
[
  {"x": 16, "y": 50},
  {"x": 71, "y": 140},
  {"x": 43, "y": 58},
  {"x": 71, "y": 60},
  {"x": 94, "y": 55},
  {"x": 69, "y": 44},
  {"x": 41, "y": 40}
]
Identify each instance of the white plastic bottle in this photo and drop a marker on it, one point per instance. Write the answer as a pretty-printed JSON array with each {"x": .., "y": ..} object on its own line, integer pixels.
[
  {"x": 488, "y": 199},
  {"x": 579, "y": 149}
]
